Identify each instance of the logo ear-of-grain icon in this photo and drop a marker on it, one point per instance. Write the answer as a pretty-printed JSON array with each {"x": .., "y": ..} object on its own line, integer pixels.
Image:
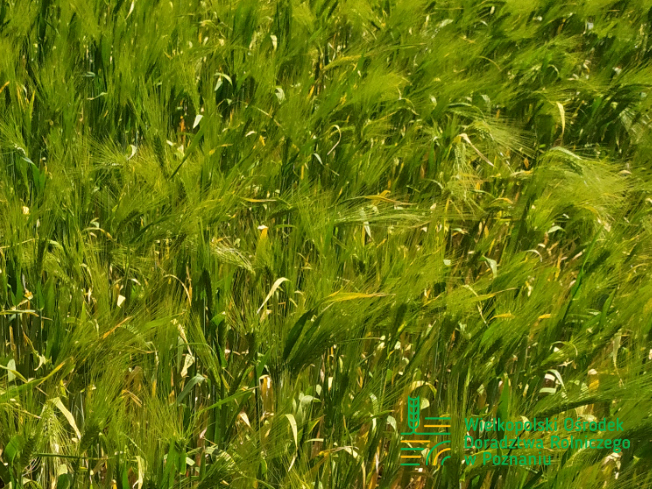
[{"x": 414, "y": 412}]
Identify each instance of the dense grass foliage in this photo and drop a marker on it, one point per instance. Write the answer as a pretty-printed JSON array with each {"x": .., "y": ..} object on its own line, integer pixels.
[{"x": 236, "y": 235}]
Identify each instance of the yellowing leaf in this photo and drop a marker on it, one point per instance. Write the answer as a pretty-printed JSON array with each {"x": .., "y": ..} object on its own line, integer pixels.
[
  {"x": 350, "y": 296},
  {"x": 562, "y": 115},
  {"x": 276, "y": 285},
  {"x": 68, "y": 415}
]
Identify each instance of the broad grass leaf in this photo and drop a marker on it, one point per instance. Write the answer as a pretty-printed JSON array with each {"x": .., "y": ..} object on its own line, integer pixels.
[
  {"x": 294, "y": 334},
  {"x": 293, "y": 427},
  {"x": 197, "y": 379}
]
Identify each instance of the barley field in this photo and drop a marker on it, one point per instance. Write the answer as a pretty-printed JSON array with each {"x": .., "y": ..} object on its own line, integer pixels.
[{"x": 250, "y": 243}]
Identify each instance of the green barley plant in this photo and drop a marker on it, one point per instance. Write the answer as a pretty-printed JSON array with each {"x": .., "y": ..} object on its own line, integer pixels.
[{"x": 236, "y": 236}]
